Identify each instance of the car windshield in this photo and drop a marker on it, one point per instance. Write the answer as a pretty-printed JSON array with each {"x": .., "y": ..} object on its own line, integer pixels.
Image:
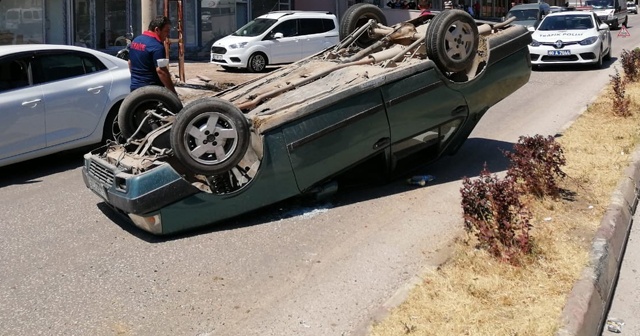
[
  {"x": 523, "y": 14},
  {"x": 631, "y": 4},
  {"x": 255, "y": 27},
  {"x": 13, "y": 15},
  {"x": 566, "y": 22},
  {"x": 600, "y": 4}
]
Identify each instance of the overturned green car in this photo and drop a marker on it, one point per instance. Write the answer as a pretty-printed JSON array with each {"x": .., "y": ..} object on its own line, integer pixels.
[{"x": 391, "y": 97}]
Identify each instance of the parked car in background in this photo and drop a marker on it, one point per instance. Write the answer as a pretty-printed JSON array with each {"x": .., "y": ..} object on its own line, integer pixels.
[
  {"x": 572, "y": 37},
  {"x": 382, "y": 102},
  {"x": 276, "y": 38},
  {"x": 57, "y": 97},
  {"x": 529, "y": 15},
  {"x": 632, "y": 8}
]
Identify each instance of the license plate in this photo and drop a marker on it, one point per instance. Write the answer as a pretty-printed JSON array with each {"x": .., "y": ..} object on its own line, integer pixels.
[
  {"x": 559, "y": 52},
  {"x": 97, "y": 188},
  {"x": 217, "y": 57}
]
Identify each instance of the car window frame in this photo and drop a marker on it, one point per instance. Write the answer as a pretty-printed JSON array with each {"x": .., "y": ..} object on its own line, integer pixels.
[
  {"x": 23, "y": 56},
  {"x": 39, "y": 77}
]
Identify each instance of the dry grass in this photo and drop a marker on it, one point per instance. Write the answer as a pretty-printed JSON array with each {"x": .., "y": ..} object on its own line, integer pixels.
[{"x": 474, "y": 294}]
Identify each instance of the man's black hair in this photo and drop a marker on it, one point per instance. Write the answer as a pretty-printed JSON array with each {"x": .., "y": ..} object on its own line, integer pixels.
[{"x": 159, "y": 22}]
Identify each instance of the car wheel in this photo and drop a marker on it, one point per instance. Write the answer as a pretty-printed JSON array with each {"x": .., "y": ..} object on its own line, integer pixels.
[
  {"x": 134, "y": 109},
  {"x": 210, "y": 136},
  {"x": 257, "y": 62},
  {"x": 357, "y": 16},
  {"x": 615, "y": 24},
  {"x": 452, "y": 40},
  {"x": 598, "y": 64},
  {"x": 607, "y": 56},
  {"x": 111, "y": 129}
]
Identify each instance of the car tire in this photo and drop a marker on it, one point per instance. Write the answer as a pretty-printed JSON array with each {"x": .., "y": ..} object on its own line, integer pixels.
[
  {"x": 598, "y": 64},
  {"x": 355, "y": 17},
  {"x": 257, "y": 62},
  {"x": 607, "y": 56},
  {"x": 442, "y": 45},
  {"x": 198, "y": 144},
  {"x": 134, "y": 107},
  {"x": 111, "y": 129}
]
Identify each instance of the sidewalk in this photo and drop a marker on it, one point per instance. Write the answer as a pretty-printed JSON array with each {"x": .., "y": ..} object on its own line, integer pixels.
[
  {"x": 612, "y": 260},
  {"x": 625, "y": 306}
]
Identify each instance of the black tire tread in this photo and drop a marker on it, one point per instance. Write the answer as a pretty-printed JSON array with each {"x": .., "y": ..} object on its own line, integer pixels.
[
  {"x": 435, "y": 40},
  {"x": 349, "y": 21},
  {"x": 139, "y": 96}
]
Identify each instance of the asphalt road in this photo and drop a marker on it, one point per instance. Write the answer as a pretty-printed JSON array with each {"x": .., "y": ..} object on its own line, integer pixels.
[{"x": 68, "y": 266}]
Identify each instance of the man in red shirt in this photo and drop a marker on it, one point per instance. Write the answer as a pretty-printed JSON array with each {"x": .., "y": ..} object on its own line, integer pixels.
[
  {"x": 476, "y": 9},
  {"x": 145, "y": 51}
]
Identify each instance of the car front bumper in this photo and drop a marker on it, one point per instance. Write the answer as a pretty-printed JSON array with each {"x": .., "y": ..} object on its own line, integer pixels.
[
  {"x": 135, "y": 194},
  {"x": 579, "y": 54},
  {"x": 234, "y": 58}
]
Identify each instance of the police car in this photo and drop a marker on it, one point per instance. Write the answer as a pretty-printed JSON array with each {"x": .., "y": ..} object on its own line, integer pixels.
[{"x": 571, "y": 37}]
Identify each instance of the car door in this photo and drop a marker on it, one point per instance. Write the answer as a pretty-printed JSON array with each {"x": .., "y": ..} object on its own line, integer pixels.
[
  {"x": 336, "y": 137},
  {"x": 423, "y": 113},
  {"x": 288, "y": 48},
  {"x": 316, "y": 35},
  {"x": 22, "y": 116},
  {"x": 75, "y": 86}
]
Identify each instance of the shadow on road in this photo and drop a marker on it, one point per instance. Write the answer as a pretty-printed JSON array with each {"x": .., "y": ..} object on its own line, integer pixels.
[
  {"x": 32, "y": 171},
  {"x": 574, "y": 67},
  {"x": 468, "y": 162}
]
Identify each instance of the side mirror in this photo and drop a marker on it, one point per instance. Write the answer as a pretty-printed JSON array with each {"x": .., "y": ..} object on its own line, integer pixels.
[
  {"x": 603, "y": 26},
  {"x": 278, "y": 35}
]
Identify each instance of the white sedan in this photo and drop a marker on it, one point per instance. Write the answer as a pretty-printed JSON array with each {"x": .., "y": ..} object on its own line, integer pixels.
[
  {"x": 570, "y": 37},
  {"x": 57, "y": 97}
]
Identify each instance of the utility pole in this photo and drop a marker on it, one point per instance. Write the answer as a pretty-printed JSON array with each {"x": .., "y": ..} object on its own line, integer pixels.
[{"x": 168, "y": 41}]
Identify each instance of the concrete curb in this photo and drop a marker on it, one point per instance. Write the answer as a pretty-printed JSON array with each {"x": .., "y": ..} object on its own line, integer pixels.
[{"x": 587, "y": 305}]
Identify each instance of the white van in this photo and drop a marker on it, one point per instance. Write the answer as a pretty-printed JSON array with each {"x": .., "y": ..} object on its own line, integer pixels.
[
  {"x": 276, "y": 38},
  {"x": 16, "y": 18},
  {"x": 611, "y": 12}
]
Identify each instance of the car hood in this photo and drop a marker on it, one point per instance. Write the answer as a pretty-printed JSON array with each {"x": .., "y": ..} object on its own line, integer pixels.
[
  {"x": 603, "y": 12},
  {"x": 230, "y": 39},
  {"x": 526, "y": 23},
  {"x": 554, "y": 35}
]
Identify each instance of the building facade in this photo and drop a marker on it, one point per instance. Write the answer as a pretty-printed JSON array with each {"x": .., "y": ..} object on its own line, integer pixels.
[{"x": 102, "y": 24}]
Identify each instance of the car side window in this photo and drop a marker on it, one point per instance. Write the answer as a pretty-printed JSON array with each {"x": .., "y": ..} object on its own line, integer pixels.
[
  {"x": 55, "y": 67},
  {"x": 311, "y": 26},
  {"x": 328, "y": 25},
  {"x": 315, "y": 26},
  {"x": 14, "y": 74},
  {"x": 92, "y": 64},
  {"x": 288, "y": 28}
]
